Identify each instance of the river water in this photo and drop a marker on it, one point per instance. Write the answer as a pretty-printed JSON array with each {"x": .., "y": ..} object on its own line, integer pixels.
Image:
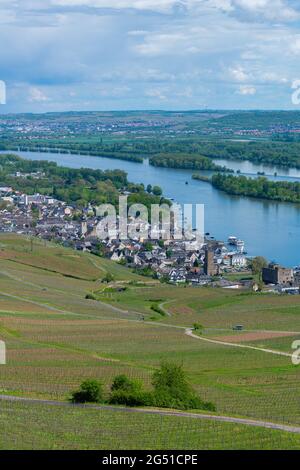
[{"x": 268, "y": 228}]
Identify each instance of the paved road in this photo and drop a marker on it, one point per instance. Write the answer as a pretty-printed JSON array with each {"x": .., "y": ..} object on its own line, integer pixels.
[{"x": 181, "y": 414}]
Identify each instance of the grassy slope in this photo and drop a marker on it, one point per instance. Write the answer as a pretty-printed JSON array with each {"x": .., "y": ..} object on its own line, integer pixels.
[
  {"x": 56, "y": 338},
  {"x": 74, "y": 428}
]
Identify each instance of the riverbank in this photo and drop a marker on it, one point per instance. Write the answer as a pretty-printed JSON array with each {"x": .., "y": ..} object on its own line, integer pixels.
[
  {"x": 259, "y": 188},
  {"x": 268, "y": 227}
]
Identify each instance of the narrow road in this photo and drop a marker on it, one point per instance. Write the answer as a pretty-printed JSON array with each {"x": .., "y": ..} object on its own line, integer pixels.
[
  {"x": 162, "y": 307},
  {"x": 189, "y": 332},
  {"x": 181, "y": 414}
]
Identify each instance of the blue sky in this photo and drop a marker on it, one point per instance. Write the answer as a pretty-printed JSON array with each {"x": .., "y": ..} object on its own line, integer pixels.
[{"x": 149, "y": 54}]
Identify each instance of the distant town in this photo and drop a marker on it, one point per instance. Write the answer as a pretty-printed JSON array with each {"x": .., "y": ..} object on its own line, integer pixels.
[{"x": 215, "y": 263}]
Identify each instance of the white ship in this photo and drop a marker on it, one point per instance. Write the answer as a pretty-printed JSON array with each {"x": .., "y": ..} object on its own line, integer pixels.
[
  {"x": 240, "y": 244},
  {"x": 232, "y": 240}
]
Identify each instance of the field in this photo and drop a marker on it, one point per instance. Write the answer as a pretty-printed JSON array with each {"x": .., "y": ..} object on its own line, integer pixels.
[
  {"x": 55, "y": 427},
  {"x": 56, "y": 338}
]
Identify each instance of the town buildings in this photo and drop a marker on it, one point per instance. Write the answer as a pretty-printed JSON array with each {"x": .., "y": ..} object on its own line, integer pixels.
[{"x": 275, "y": 274}]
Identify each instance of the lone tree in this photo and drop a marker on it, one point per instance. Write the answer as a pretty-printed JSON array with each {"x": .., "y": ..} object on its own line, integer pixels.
[
  {"x": 257, "y": 264},
  {"x": 108, "y": 278},
  {"x": 172, "y": 389}
]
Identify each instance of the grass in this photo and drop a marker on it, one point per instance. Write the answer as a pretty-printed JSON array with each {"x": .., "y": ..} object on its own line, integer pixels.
[
  {"x": 56, "y": 338},
  {"x": 56, "y": 427}
]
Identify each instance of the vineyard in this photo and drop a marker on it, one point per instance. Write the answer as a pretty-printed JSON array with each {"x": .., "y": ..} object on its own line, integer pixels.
[
  {"x": 56, "y": 336},
  {"x": 37, "y": 426}
]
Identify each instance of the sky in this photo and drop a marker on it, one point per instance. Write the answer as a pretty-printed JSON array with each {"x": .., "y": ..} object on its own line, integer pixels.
[{"x": 62, "y": 55}]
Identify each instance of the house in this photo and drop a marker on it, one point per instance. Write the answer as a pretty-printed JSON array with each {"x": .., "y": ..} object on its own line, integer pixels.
[
  {"x": 238, "y": 260},
  {"x": 177, "y": 275},
  {"x": 117, "y": 255},
  {"x": 197, "y": 278},
  {"x": 275, "y": 274}
]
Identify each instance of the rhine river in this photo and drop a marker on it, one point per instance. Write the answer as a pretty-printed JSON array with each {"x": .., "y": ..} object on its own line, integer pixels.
[{"x": 268, "y": 228}]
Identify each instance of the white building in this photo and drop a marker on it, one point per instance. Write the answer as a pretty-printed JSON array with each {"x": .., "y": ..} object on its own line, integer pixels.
[{"x": 238, "y": 260}]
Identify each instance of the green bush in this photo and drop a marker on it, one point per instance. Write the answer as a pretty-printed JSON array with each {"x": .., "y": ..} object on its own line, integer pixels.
[
  {"x": 131, "y": 398},
  {"x": 122, "y": 382},
  {"x": 108, "y": 278},
  {"x": 125, "y": 391},
  {"x": 90, "y": 391},
  {"x": 198, "y": 327},
  {"x": 156, "y": 308},
  {"x": 90, "y": 296},
  {"x": 172, "y": 390}
]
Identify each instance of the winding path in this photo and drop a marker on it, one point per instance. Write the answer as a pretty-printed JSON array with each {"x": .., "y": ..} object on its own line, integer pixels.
[
  {"x": 181, "y": 414},
  {"x": 189, "y": 332}
]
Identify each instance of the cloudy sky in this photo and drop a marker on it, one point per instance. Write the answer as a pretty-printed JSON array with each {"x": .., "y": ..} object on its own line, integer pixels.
[{"x": 149, "y": 54}]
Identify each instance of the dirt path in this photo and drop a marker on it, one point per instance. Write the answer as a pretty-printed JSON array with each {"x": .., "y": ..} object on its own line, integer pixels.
[
  {"x": 181, "y": 414},
  {"x": 189, "y": 332},
  {"x": 162, "y": 307}
]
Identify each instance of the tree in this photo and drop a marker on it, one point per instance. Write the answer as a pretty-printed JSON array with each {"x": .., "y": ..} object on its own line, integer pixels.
[
  {"x": 149, "y": 188},
  {"x": 198, "y": 327},
  {"x": 157, "y": 191},
  {"x": 172, "y": 389},
  {"x": 122, "y": 382},
  {"x": 257, "y": 264},
  {"x": 125, "y": 391},
  {"x": 148, "y": 246},
  {"x": 90, "y": 391},
  {"x": 108, "y": 278},
  {"x": 171, "y": 377}
]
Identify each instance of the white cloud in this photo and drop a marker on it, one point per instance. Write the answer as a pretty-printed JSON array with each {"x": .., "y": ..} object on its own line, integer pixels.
[
  {"x": 238, "y": 74},
  {"x": 156, "y": 93},
  {"x": 179, "y": 52},
  {"x": 271, "y": 9},
  {"x": 154, "y": 5},
  {"x": 36, "y": 95},
  {"x": 295, "y": 45},
  {"x": 224, "y": 5},
  {"x": 247, "y": 90}
]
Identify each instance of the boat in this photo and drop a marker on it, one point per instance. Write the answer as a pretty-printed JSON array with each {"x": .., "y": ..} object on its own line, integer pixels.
[
  {"x": 240, "y": 244},
  {"x": 232, "y": 240}
]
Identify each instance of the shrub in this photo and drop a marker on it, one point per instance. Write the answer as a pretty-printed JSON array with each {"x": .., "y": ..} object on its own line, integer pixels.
[
  {"x": 108, "y": 278},
  {"x": 90, "y": 391},
  {"x": 122, "y": 382},
  {"x": 157, "y": 309},
  {"x": 198, "y": 327},
  {"x": 131, "y": 398},
  {"x": 170, "y": 376},
  {"x": 90, "y": 296},
  {"x": 172, "y": 390},
  {"x": 127, "y": 392}
]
